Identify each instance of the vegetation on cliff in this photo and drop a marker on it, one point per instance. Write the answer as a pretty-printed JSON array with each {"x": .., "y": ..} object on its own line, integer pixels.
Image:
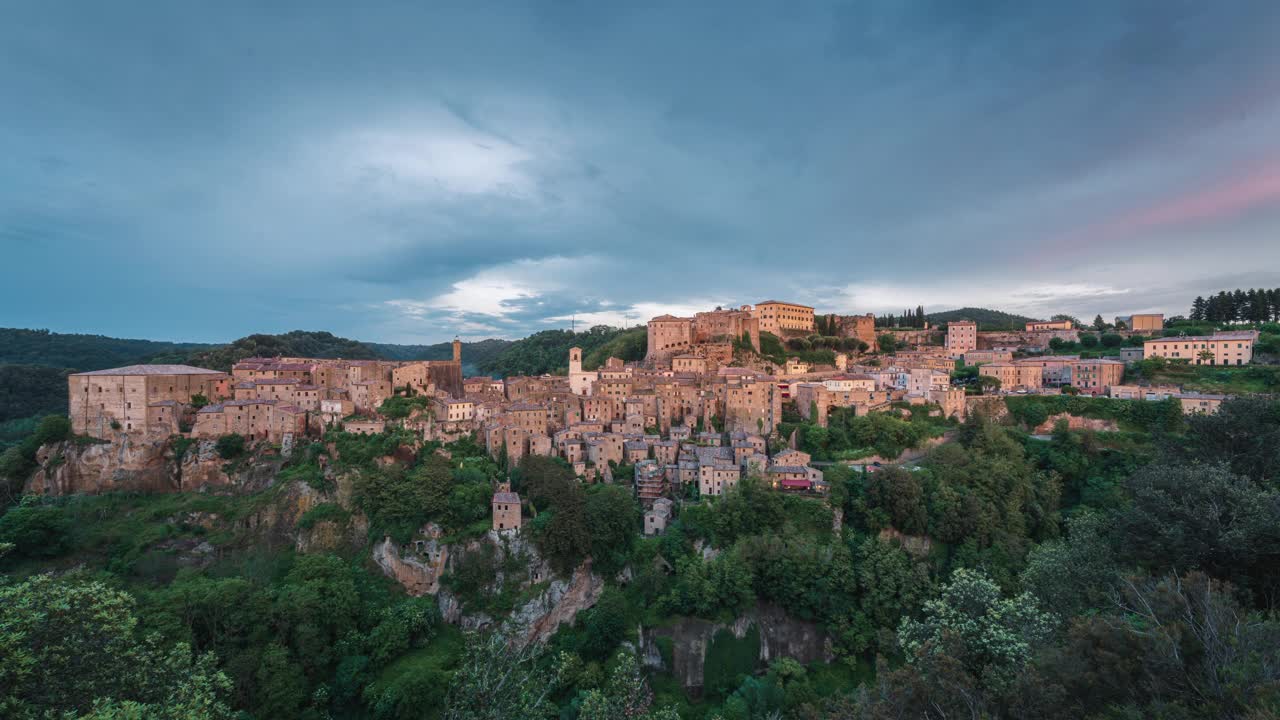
[{"x": 1090, "y": 574}]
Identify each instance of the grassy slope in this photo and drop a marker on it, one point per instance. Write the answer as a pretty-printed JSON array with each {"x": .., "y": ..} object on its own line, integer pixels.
[{"x": 1209, "y": 379}]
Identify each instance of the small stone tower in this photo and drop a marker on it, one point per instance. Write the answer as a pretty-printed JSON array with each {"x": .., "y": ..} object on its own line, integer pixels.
[
  {"x": 575, "y": 360},
  {"x": 457, "y": 351}
]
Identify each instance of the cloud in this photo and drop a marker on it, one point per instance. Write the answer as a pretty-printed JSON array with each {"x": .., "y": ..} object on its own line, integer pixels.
[
  {"x": 632, "y": 315},
  {"x": 382, "y": 179}
]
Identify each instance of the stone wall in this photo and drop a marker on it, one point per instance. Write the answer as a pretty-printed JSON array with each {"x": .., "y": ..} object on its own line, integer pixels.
[{"x": 781, "y": 635}]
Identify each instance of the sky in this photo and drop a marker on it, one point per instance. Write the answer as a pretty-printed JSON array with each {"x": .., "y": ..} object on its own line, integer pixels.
[{"x": 412, "y": 171}]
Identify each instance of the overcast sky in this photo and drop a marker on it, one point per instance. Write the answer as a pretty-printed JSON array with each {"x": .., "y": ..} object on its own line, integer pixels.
[{"x": 405, "y": 172}]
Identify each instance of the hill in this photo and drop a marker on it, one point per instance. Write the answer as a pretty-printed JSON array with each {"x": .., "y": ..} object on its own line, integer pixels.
[
  {"x": 548, "y": 351},
  {"x": 474, "y": 354},
  {"x": 986, "y": 319},
  {"x": 85, "y": 352},
  {"x": 298, "y": 343}
]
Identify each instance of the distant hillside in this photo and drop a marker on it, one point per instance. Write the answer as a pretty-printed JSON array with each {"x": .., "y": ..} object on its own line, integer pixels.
[
  {"x": 298, "y": 343},
  {"x": 986, "y": 319},
  {"x": 548, "y": 351},
  {"x": 474, "y": 354},
  {"x": 85, "y": 352}
]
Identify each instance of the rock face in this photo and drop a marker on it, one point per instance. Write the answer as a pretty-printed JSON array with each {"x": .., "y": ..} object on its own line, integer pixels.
[
  {"x": 417, "y": 567},
  {"x": 128, "y": 464},
  {"x": 780, "y": 636},
  {"x": 918, "y": 546},
  {"x": 1076, "y": 423},
  {"x": 538, "y": 619},
  {"x": 132, "y": 464}
]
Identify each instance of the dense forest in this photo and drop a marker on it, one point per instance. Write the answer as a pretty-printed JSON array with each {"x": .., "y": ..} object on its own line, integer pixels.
[
  {"x": 548, "y": 351},
  {"x": 473, "y": 353},
  {"x": 986, "y": 319},
  {"x": 85, "y": 352},
  {"x": 1090, "y": 574},
  {"x": 1254, "y": 306}
]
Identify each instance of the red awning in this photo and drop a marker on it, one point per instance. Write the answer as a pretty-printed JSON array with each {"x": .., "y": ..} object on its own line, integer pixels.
[{"x": 801, "y": 484}]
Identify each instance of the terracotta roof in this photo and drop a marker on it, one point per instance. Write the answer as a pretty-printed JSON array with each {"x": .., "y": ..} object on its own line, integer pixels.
[{"x": 153, "y": 370}]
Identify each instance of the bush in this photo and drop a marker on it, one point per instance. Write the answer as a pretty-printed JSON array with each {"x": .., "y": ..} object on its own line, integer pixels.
[
  {"x": 35, "y": 530},
  {"x": 230, "y": 446},
  {"x": 331, "y": 512}
]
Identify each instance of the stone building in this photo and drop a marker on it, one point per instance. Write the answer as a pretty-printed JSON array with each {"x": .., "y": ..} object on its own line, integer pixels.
[
  {"x": 962, "y": 336},
  {"x": 669, "y": 335},
  {"x": 1013, "y": 376},
  {"x": 1146, "y": 323},
  {"x": 506, "y": 509},
  {"x": 453, "y": 411},
  {"x": 656, "y": 519},
  {"x": 1043, "y": 325},
  {"x": 1220, "y": 348},
  {"x": 1095, "y": 376},
  {"x": 862, "y": 327},
  {"x": 105, "y": 402},
  {"x": 779, "y": 318}
]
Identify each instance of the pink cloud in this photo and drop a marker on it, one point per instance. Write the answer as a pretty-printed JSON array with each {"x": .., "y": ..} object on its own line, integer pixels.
[
  {"x": 1227, "y": 199},
  {"x": 1231, "y": 198}
]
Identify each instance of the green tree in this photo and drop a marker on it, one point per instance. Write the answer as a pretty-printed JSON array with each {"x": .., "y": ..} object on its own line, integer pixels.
[
  {"x": 604, "y": 625},
  {"x": 614, "y": 522},
  {"x": 887, "y": 343},
  {"x": 992, "y": 637},
  {"x": 35, "y": 529},
  {"x": 436, "y": 479},
  {"x": 230, "y": 446},
  {"x": 626, "y": 696},
  {"x": 1074, "y": 574},
  {"x": 69, "y": 644},
  {"x": 891, "y": 586},
  {"x": 496, "y": 681}
]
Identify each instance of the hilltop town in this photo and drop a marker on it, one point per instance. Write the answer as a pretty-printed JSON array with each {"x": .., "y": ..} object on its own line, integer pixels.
[{"x": 700, "y": 412}]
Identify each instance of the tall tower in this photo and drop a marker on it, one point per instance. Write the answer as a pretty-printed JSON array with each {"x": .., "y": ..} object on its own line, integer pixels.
[
  {"x": 457, "y": 351},
  {"x": 579, "y": 382}
]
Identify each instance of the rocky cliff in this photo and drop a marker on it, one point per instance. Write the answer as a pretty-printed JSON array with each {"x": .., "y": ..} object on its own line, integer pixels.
[
  {"x": 132, "y": 464},
  {"x": 419, "y": 565},
  {"x": 781, "y": 635}
]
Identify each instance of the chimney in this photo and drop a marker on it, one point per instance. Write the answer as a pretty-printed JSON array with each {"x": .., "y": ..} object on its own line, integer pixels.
[{"x": 457, "y": 350}]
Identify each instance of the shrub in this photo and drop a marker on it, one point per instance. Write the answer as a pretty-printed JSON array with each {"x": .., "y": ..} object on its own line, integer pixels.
[
  {"x": 331, "y": 512},
  {"x": 230, "y": 446},
  {"x": 35, "y": 530}
]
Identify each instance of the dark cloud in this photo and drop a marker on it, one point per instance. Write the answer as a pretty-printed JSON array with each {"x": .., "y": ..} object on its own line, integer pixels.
[{"x": 412, "y": 171}]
